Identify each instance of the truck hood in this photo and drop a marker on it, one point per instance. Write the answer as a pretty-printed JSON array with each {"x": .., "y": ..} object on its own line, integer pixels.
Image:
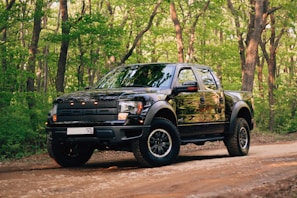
[{"x": 133, "y": 93}]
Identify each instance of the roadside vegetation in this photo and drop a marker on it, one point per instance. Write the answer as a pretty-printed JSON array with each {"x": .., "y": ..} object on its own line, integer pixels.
[{"x": 52, "y": 47}]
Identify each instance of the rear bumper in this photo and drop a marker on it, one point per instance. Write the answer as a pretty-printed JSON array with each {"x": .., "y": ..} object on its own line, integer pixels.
[{"x": 103, "y": 135}]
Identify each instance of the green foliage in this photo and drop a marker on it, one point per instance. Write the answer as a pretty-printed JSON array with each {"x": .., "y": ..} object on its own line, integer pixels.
[{"x": 20, "y": 132}]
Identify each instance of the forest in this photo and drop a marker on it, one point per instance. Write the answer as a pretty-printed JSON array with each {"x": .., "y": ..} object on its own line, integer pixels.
[{"x": 51, "y": 47}]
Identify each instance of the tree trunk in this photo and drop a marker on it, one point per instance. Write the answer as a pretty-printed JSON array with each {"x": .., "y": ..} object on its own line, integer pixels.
[
  {"x": 249, "y": 67},
  {"x": 249, "y": 54},
  {"x": 271, "y": 73},
  {"x": 5, "y": 87},
  {"x": 8, "y": 8},
  {"x": 292, "y": 74},
  {"x": 3, "y": 49},
  {"x": 274, "y": 42},
  {"x": 81, "y": 68},
  {"x": 64, "y": 47},
  {"x": 3, "y": 53},
  {"x": 178, "y": 31},
  {"x": 46, "y": 68},
  {"x": 33, "y": 50},
  {"x": 271, "y": 62},
  {"x": 239, "y": 34},
  {"x": 189, "y": 57},
  {"x": 260, "y": 65},
  {"x": 93, "y": 70},
  {"x": 258, "y": 16},
  {"x": 34, "y": 45},
  {"x": 271, "y": 87}
]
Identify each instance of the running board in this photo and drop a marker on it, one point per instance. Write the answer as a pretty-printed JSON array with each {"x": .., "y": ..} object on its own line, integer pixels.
[{"x": 202, "y": 140}]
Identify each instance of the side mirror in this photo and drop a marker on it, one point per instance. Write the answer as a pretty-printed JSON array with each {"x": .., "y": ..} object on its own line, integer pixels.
[{"x": 188, "y": 86}]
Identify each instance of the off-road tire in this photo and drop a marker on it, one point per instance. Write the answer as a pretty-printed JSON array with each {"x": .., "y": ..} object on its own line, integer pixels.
[
  {"x": 160, "y": 146},
  {"x": 238, "y": 143},
  {"x": 69, "y": 155}
]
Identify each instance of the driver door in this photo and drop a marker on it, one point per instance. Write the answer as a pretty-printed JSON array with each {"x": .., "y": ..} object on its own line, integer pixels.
[{"x": 188, "y": 104}]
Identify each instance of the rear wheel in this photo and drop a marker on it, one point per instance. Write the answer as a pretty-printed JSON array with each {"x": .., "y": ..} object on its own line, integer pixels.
[
  {"x": 238, "y": 143},
  {"x": 68, "y": 155},
  {"x": 160, "y": 146}
]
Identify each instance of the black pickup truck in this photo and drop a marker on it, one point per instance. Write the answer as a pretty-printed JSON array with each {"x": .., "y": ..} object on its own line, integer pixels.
[{"x": 150, "y": 110}]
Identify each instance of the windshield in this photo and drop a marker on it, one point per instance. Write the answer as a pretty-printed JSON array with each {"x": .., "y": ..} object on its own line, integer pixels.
[{"x": 155, "y": 75}]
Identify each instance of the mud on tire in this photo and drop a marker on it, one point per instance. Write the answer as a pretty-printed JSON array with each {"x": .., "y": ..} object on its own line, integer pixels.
[{"x": 160, "y": 146}]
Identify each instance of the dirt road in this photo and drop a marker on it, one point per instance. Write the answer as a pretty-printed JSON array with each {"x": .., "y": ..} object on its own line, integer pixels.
[{"x": 265, "y": 172}]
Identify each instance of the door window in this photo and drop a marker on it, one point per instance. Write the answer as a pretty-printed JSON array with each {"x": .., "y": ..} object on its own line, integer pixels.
[
  {"x": 186, "y": 75},
  {"x": 207, "y": 79}
]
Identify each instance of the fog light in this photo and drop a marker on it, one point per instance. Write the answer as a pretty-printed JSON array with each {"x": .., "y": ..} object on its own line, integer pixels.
[{"x": 122, "y": 116}]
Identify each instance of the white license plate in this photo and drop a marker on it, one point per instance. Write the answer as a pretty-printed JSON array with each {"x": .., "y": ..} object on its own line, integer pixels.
[{"x": 80, "y": 131}]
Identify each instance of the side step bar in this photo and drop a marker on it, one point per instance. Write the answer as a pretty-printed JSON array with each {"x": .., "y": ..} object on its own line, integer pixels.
[{"x": 203, "y": 139}]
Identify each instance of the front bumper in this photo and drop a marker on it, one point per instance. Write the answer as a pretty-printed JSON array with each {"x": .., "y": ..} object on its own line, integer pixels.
[{"x": 103, "y": 135}]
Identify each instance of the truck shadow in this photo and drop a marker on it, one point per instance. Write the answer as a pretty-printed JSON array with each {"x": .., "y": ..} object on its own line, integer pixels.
[
  {"x": 109, "y": 164},
  {"x": 188, "y": 158},
  {"x": 131, "y": 163}
]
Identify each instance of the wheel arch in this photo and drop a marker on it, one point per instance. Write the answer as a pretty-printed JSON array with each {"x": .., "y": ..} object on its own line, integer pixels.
[
  {"x": 161, "y": 109},
  {"x": 240, "y": 110}
]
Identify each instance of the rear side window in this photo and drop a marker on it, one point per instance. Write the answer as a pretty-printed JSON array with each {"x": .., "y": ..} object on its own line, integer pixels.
[{"x": 207, "y": 78}]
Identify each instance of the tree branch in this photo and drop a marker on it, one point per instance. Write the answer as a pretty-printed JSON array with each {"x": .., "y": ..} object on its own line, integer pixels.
[
  {"x": 8, "y": 7},
  {"x": 141, "y": 33}
]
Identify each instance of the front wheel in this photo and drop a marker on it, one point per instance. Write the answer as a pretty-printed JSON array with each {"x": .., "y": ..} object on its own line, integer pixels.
[
  {"x": 238, "y": 143},
  {"x": 68, "y": 155},
  {"x": 160, "y": 146}
]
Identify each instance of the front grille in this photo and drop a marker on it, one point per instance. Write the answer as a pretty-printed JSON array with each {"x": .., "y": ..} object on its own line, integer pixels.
[{"x": 89, "y": 111}]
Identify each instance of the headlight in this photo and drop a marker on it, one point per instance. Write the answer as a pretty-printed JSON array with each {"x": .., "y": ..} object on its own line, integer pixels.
[
  {"x": 132, "y": 107},
  {"x": 54, "y": 113},
  {"x": 129, "y": 107}
]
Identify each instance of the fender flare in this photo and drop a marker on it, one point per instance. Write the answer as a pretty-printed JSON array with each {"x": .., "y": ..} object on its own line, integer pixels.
[
  {"x": 239, "y": 106},
  {"x": 160, "y": 106}
]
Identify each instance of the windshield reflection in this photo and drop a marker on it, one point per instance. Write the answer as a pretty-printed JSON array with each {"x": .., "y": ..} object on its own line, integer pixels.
[{"x": 155, "y": 75}]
